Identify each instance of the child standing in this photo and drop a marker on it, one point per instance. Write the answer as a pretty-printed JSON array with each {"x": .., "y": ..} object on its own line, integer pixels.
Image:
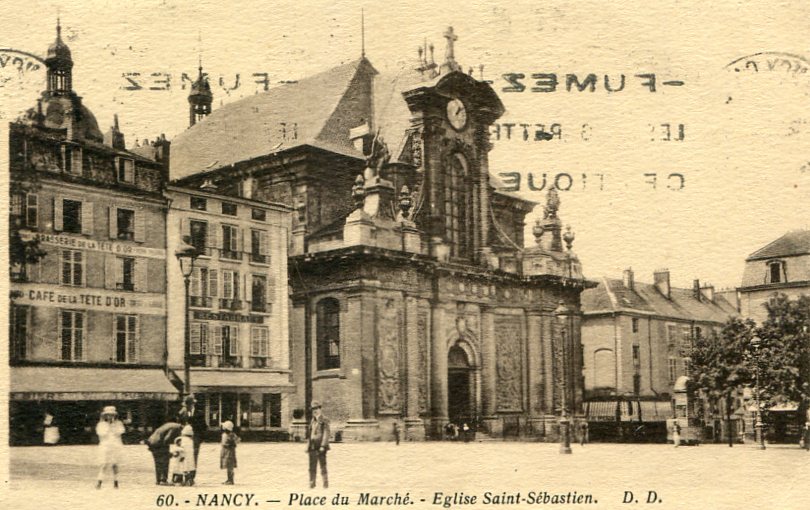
[
  {"x": 176, "y": 462},
  {"x": 227, "y": 455},
  {"x": 187, "y": 444}
]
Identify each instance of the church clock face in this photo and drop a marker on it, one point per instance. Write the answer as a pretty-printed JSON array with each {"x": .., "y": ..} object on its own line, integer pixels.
[{"x": 457, "y": 114}]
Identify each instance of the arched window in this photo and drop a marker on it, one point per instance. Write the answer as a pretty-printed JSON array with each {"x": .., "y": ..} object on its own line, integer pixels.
[
  {"x": 604, "y": 369},
  {"x": 328, "y": 333},
  {"x": 457, "y": 207}
]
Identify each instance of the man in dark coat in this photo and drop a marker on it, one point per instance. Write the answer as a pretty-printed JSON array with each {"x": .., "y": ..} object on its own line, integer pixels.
[
  {"x": 189, "y": 414},
  {"x": 318, "y": 445},
  {"x": 158, "y": 444}
]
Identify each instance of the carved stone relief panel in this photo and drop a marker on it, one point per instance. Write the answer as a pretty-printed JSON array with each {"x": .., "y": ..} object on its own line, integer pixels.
[
  {"x": 389, "y": 398},
  {"x": 423, "y": 368},
  {"x": 509, "y": 363}
]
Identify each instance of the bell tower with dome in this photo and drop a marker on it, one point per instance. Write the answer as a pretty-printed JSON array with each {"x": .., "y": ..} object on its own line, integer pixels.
[
  {"x": 200, "y": 98},
  {"x": 60, "y": 66}
]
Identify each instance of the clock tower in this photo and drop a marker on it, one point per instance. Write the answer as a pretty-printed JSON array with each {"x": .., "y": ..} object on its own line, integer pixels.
[{"x": 451, "y": 114}]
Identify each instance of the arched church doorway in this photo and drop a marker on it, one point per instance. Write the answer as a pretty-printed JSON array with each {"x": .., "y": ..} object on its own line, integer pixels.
[{"x": 460, "y": 401}]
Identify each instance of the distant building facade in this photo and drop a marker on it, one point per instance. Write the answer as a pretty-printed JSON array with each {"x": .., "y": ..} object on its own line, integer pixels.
[
  {"x": 781, "y": 267},
  {"x": 87, "y": 321},
  {"x": 636, "y": 337},
  {"x": 239, "y": 331},
  {"x": 414, "y": 297}
]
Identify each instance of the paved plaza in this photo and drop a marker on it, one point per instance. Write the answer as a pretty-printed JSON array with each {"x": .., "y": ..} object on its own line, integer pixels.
[{"x": 708, "y": 476}]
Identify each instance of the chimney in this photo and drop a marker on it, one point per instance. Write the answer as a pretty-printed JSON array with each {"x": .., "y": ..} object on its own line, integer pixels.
[
  {"x": 707, "y": 291},
  {"x": 661, "y": 279},
  {"x": 696, "y": 289},
  {"x": 627, "y": 278}
]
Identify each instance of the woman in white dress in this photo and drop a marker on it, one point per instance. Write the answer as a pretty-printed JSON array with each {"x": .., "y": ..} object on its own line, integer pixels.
[{"x": 110, "y": 446}]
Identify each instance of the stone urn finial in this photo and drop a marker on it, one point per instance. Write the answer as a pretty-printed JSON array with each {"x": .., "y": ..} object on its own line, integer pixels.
[
  {"x": 568, "y": 237},
  {"x": 405, "y": 201},
  {"x": 538, "y": 231}
]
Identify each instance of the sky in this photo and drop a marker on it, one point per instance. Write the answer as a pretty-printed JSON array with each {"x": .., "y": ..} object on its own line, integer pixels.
[{"x": 738, "y": 179}]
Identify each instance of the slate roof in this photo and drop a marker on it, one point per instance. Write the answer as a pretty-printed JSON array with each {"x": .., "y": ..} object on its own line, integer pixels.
[
  {"x": 791, "y": 244},
  {"x": 250, "y": 127},
  {"x": 612, "y": 296}
]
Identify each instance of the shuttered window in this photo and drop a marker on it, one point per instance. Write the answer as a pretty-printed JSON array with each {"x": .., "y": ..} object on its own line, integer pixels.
[{"x": 126, "y": 338}]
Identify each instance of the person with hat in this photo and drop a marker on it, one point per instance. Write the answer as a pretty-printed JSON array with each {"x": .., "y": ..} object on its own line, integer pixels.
[
  {"x": 109, "y": 430},
  {"x": 227, "y": 454},
  {"x": 158, "y": 444},
  {"x": 318, "y": 444},
  {"x": 190, "y": 415},
  {"x": 189, "y": 463}
]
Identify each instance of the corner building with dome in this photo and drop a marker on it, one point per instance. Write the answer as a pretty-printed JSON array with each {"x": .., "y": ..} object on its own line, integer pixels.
[
  {"x": 414, "y": 297},
  {"x": 87, "y": 318}
]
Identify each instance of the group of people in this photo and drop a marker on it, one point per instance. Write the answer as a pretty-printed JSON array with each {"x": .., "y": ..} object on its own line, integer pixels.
[
  {"x": 175, "y": 446},
  {"x": 454, "y": 432}
]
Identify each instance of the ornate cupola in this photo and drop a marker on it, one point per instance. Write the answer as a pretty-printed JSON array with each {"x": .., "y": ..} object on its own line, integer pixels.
[
  {"x": 200, "y": 98},
  {"x": 60, "y": 66}
]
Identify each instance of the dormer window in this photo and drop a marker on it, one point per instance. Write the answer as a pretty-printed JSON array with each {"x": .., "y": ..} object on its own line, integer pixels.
[
  {"x": 776, "y": 272},
  {"x": 126, "y": 170}
]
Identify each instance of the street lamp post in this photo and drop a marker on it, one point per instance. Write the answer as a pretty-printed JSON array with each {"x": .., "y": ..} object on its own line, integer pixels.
[
  {"x": 563, "y": 314},
  {"x": 755, "y": 343},
  {"x": 186, "y": 254}
]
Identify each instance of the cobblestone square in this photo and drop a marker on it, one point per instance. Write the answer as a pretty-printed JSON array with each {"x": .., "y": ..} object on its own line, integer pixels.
[{"x": 708, "y": 476}]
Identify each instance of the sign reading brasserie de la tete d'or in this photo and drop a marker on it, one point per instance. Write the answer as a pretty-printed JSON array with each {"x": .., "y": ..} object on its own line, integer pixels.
[{"x": 82, "y": 243}]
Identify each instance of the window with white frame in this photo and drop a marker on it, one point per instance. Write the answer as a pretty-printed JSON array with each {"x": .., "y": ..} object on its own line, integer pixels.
[
  {"x": 226, "y": 342},
  {"x": 126, "y": 338},
  {"x": 230, "y": 242},
  {"x": 203, "y": 286},
  {"x": 230, "y": 284},
  {"x": 260, "y": 342},
  {"x": 672, "y": 368},
  {"x": 71, "y": 334},
  {"x": 72, "y": 268},
  {"x": 198, "y": 338}
]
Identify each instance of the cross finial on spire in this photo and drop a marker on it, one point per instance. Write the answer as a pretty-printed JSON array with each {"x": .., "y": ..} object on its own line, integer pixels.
[
  {"x": 362, "y": 32},
  {"x": 451, "y": 39}
]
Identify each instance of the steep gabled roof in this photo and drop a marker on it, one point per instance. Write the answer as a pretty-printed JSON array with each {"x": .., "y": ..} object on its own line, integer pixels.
[
  {"x": 291, "y": 115},
  {"x": 612, "y": 296},
  {"x": 791, "y": 244}
]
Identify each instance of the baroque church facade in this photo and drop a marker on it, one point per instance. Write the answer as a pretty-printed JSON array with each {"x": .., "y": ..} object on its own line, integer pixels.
[{"x": 414, "y": 298}]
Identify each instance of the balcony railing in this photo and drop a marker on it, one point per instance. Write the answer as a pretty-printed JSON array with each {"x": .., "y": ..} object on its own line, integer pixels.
[
  {"x": 258, "y": 258},
  {"x": 258, "y": 306},
  {"x": 230, "y": 255},
  {"x": 126, "y": 236},
  {"x": 230, "y": 361},
  {"x": 259, "y": 362},
  {"x": 230, "y": 304},
  {"x": 125, "y": 286},
  {"x": 200, "y": 301}
]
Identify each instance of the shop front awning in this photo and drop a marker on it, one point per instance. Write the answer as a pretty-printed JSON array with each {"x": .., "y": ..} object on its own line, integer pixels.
[
  {"x": 80, "y": 383},
  {"x": 785, "y": 407},
  {"x": 241, "y": 380},
  {"x": 655, "y": 411},
  {"x": 601, "y": 410}
]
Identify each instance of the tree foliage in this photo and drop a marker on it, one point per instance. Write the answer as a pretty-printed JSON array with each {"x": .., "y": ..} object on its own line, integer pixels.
[
  {"x": 719, "y": 365},
  {"x": 784, "y": 355}
]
